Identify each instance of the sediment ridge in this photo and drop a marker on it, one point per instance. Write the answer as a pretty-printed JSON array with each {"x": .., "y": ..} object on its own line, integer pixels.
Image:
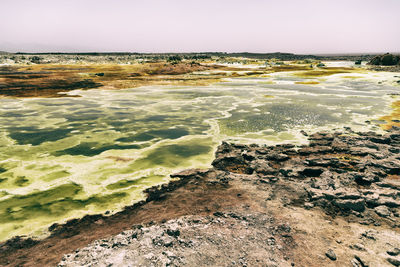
[{"x": 333, "y": 202}]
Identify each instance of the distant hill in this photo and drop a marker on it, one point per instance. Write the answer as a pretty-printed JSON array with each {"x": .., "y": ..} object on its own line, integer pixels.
[
  {"x": 277, "y": 55},
  {"x": 262, "y": 56}
]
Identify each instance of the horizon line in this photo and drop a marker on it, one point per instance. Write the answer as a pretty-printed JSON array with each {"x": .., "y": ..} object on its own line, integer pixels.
[{"x": 202, "y": 52}]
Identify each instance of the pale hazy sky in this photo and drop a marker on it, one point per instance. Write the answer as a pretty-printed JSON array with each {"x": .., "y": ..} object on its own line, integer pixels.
[{"x": 298, "y": 26}]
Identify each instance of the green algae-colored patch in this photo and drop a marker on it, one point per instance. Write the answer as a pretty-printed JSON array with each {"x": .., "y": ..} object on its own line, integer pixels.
[
  {"x": 99, "y": 199},
  {"x": 307, "y": 82},
  {"x": 138, "y": 137},
  {"x": 30, "y": 167},
  {"x": 169, "y": 133},
  {"x": 122, "y": 184},
  {"x": 91, "y": 149},
  {"x": 269, "y": 96},
  {"x": 351, "y": 77},
  {"x": 282, "y": 68},
  {"x": 157, "y": 118},
  {"x": 21, "y": 181},
  {"x": 47, "y": 167},
  {"x": 174, "y": 133},
  {"x": 2, "y": 170},
  {"x": 54, "y": 203},
  {"x": 54, "y": 176},
  {"x": 6, "y": 174},
  {"x": 393, "y": 119},
  {"x": 323, "y": 72},
  {"x": 34, "y": 204},
  {"x": 171, "y": 155},
  {"x": 82, "y": 117},
  {"x": 39, "y": 136},
  {"x": 267, "y": 82},
  {"x": 148, "y": 180}
]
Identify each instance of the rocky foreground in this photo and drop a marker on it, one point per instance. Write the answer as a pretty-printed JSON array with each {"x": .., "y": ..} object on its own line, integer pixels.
[{"x": 334, "y": 202}]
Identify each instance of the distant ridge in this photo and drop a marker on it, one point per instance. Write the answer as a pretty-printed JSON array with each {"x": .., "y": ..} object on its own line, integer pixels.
[
  {"x": 264, "y": 56},
  {"x": 277, "y": 55}
]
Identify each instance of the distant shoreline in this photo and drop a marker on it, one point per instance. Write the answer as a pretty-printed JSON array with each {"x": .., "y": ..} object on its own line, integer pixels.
[{"x": 277, "y": 55}]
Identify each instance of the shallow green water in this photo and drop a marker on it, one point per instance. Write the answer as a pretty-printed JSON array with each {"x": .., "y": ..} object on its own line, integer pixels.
[{"x": 66, "y": 157}]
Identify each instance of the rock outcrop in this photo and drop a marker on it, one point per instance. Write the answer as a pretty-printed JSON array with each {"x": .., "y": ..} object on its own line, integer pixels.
[
  {"x": 385, "y": 60},
  {"x": 340, "y": 173}
]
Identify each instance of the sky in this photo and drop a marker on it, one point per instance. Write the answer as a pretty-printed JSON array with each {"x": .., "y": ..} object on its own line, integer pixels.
[{"x": 263, "y": 26}]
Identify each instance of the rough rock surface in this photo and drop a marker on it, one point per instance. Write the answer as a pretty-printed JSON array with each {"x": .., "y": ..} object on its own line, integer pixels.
[
  {"x": 385, "y": 60},
  {"x": 193, "y": 240},
  {"x": 353, "y": 179},
  {"x": 334, "y": 202}
]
